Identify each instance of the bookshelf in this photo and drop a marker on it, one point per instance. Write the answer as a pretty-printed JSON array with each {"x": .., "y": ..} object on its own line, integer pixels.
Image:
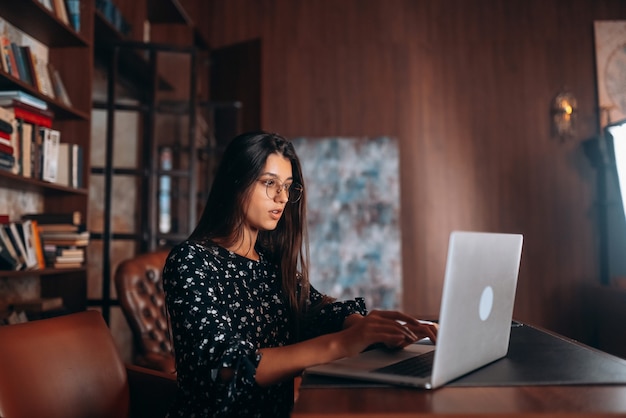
[
  {"x": 138, "y": 99},
  {"x": 71, "y": 53}
]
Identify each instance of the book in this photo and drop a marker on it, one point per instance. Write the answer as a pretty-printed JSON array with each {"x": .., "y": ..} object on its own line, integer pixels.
[
  {"x": 73, "y": 10},
  {"x": 44, "y": 228},
  {"x": 37, "y": 243},
  {"x": 64, "y": 172},
  {"x": 18, "y": 243},
  {"x": 7, "y": 162},
  {"x": 70, "y": 165},
  {"x": 6, "y": 61},
  {"x": 44, "y": 77},
  {"x": 7, "y": 149},
  {"x": 50, "y": 154},
  {"x": 36, "y": 116},
  {"x": 5, "y": 139},
  {"x": 57, "y": 85},
  {"x": 67, "y": 265},
  {"x": 70, "y": 252},
  {"x": 61, "y": 11},
  {"x": 75, "y": 239},
  {"x": 7, "y": 261},
  {"x": 26, "y": 133},
  {"x": 77, "y": 166},
  {"x": 67, "y": 259},
  {"x": 8, "y": 57},
  {"x": 4, "y": 238},
  {"x": 21, "y": 63},
  {"x": 7, "y": 98},
  {"x": 54, "y": 254},
  {"x": 25, "y": 229},
  {"x": 47, "y": 218},
  {"x": 31, "y": 66},
  {"x": 6, "y": 124},
  {"x": 47, "y": 4},
  {"x": 8, "y": 235}
]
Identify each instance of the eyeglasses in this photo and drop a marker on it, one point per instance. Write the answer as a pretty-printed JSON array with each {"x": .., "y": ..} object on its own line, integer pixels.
[{"x": 273, "y": 188}]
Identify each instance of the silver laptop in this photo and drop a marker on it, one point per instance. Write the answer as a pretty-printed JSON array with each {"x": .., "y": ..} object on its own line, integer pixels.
[{"x": 474, "y": 321}]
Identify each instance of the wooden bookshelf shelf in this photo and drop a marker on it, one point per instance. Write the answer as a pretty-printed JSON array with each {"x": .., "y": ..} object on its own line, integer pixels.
[
  {"x": 17, "y": 182},
  {"x": 33, "y": 18},
  {"x": 60, "y": 110},
  {"x": 71, "y": 54}
]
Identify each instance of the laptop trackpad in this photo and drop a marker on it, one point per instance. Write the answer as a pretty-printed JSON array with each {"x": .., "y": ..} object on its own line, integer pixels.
[{"x": 374, "y": 359}]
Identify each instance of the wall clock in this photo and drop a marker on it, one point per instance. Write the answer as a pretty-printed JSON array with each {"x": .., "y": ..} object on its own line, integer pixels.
[{"x": 610, "y": 42}]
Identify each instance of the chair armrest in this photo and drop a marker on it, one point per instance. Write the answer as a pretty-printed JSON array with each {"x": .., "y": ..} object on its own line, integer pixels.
[
  {"x": 156, "y": 361},
  {"x": 151, "y": 391}
]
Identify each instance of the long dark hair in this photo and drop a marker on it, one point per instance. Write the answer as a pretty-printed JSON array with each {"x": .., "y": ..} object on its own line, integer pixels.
[{"x": 225, "y": 211}]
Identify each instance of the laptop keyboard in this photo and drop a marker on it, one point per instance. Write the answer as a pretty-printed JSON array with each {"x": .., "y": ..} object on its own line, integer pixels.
[{"x": 419, "y": 366}]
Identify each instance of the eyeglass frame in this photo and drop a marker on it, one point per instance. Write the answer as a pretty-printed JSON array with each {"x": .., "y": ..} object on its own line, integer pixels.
[{"x": 282, "y": 186}]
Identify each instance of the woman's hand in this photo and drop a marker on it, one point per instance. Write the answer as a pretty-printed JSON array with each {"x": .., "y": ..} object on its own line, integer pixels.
[{"x": 391, "y": 328}]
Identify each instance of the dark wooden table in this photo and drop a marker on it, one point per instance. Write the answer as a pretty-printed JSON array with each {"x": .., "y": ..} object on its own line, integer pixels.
[{"x": 593, "y": 385}]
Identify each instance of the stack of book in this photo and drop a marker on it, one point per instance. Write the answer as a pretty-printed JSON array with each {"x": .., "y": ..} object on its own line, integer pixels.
[
  {"x": 64, "y": 238},
  {"x": 28, "y": 116},
  {"x": 7, "y": 139},
  {"x": 32, "y": 148},
  {"x": 20, "y": 245}
]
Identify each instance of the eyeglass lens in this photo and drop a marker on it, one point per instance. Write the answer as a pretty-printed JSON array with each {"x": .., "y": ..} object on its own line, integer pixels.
[{"x": 293, "y": 190}]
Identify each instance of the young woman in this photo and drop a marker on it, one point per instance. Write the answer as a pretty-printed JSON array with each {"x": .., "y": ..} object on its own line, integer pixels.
[{"x": 244, "y": 317}]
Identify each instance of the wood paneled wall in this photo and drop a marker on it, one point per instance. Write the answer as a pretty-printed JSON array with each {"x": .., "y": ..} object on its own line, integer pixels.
[{"x": 466, "y": 87}]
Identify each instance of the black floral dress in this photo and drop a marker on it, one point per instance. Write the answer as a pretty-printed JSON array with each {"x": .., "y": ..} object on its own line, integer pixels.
[{"x": 224, "y": 308}]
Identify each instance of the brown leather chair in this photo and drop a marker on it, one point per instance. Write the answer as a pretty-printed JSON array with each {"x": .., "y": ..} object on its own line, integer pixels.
[
  {"x": 69, "y": 367},
  {"x": 140, "y": 293}
]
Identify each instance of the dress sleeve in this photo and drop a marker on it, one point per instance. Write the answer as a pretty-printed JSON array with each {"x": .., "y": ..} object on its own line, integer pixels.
[
  {"x": 205, "y": 339},
  {"x": 330, "y": 317}
]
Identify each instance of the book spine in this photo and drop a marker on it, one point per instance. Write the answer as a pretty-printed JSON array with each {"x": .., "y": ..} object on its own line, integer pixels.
[
  {"x": 57, "y": 84},
  {"x": 37, "y": 244},
  {"x": 50, "y": 155},
  {"x": 18, "y": 242},
  {"x": 4, "y": 237},
  {"x": 7, "y": 262},
  {"x": 29, "y": 66},
  {"x": 64, "y": 164},
  {"x": 77, "y": 166},
  {"x": 26, "y": 132},
  {"x": 73, "y": 10},
  {"x": 25, "y": 230},
  {"x": 70, "y": 218},
  {"x": 21, "y": 64},
  {"x": 7, "y": 51},
  {"x": 7, "y": 149},
  {"x": 5, "y": 128},
  {"x": 32, "y": 117}
]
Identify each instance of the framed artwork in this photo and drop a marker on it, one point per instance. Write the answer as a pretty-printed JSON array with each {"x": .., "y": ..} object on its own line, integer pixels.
[
  {"x": 610, "y": 44},
  {"x": 353, "y": 208}
]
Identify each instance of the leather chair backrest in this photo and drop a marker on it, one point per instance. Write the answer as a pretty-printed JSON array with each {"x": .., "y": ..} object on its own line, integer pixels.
[
  {"x": 140, "y": 292},
  {"x": 63, "y": 367}
]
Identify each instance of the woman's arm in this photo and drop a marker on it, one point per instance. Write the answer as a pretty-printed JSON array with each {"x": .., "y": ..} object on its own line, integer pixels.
[{"x": 391, "y": 328}]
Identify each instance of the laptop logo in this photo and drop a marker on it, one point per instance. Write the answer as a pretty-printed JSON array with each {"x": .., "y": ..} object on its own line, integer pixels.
[{"x": 486, "y": 303}]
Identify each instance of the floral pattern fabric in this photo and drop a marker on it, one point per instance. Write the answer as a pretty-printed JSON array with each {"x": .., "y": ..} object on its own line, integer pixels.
[{"x": 223, "y": 308}]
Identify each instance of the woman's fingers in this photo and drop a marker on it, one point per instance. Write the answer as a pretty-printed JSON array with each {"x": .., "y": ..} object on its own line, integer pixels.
[{"x": 410, "y": 327}]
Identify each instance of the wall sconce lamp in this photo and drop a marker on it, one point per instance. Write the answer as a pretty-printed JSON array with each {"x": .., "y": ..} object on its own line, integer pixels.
[{"x": 564, "y": 114}]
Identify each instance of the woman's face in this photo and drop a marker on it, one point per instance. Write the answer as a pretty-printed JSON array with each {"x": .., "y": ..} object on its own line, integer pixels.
[{"x": 269, "y": 197}]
